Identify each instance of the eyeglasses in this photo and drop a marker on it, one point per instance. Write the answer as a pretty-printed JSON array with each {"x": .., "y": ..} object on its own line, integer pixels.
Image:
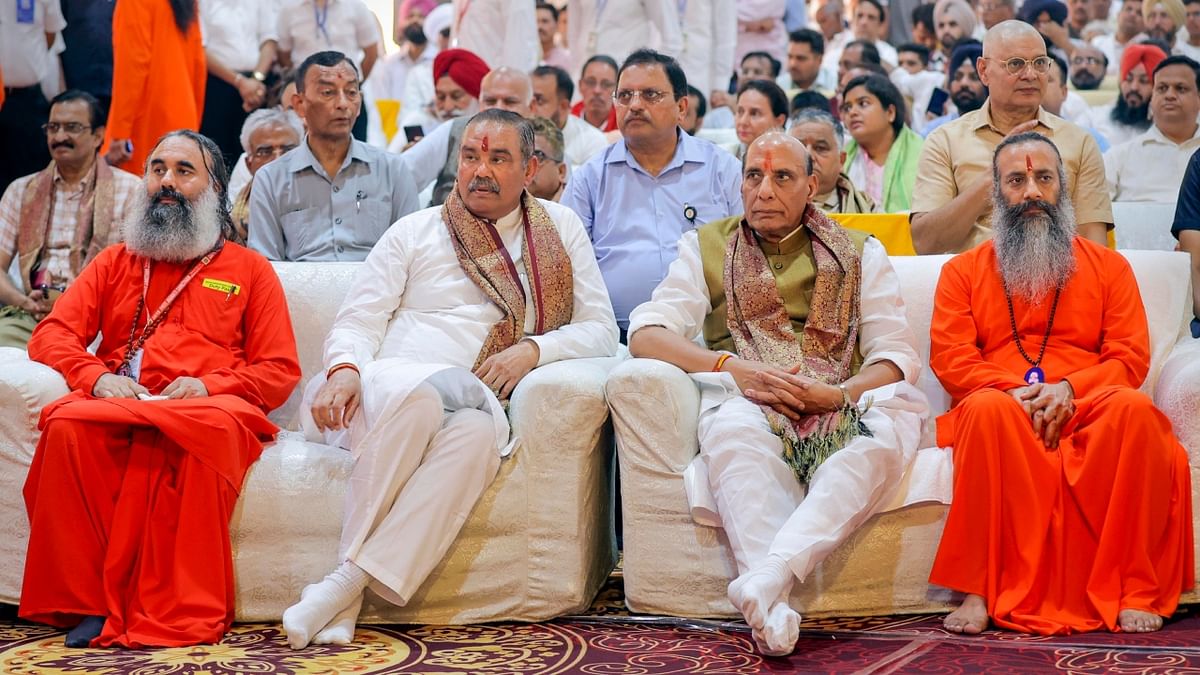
[
  {"x": 648, "y": 96},
  {"x": 72, "y": 128},
  {"x": 592, "y": 83},
  {"x": 1016, "y": 65},
  {"x": 272, "y": 151},
  {"x": 1089, "y": 60},
  {"x": 541, "y": 157}
]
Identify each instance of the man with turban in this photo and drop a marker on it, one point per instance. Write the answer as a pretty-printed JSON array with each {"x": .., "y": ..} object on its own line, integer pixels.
[
  {"x": 1129, "y": 116},
  {"x": 1049, "y": 17},
  {"x": 962, "y": 81},
  {"x": 1163, "y": 19},
  {"x": 954, "y": 21},
  {"x": 456, "y": 75}
]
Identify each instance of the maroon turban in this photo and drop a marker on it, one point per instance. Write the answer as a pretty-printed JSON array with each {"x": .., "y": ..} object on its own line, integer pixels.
[
  {"x": 1149, "y": 55},
  {"x": 466, "y": 69}
]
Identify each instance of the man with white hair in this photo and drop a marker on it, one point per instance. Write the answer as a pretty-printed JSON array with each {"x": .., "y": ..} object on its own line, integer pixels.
[
  {"x": 266, "y": 136},
  {"x": 808, "y": 416},
  {"x": 1071, "y": 508},
  {"x": 451, "y": 310},
  {"x": 138, "y": 469},
  {"x": 824, "y": 137}
]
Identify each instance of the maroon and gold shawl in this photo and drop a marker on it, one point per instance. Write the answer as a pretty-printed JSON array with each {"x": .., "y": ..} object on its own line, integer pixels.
[
  {"x": 485, "y": 260},
  {"x": 92, "y": 224},
  {"x": 762, "y": 331}
]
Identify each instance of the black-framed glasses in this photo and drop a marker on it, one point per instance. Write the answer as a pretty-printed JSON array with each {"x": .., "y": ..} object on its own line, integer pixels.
[
  {"x": 648, "y": 96},
  {"x": 72, "y": 128},
  {"x": 1016, "y": 65},
  {"x": 541, "y": 157}
]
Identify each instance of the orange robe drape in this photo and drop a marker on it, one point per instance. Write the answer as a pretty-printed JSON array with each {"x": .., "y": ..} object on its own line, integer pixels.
[
  {"x": 1061, "y": 540},
  {"x": 158, "y": 77},
  {"x": 129, "y": 501}
]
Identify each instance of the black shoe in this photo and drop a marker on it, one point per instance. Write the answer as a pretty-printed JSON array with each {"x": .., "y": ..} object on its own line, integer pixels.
[{"x": 87, "y": 630}]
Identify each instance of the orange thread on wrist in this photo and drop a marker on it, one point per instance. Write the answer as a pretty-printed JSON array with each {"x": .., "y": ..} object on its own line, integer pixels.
[
  {"x": 721, "y": 362},
  {"x": 340, "y": 366}
]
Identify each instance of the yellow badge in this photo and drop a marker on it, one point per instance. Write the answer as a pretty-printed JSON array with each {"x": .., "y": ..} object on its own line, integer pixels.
[{"x": 225, "y": 287}]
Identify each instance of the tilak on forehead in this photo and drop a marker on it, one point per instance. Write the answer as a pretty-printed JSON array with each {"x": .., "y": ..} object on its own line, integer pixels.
[
  {"x": 484, "y": 144},
  {"x": 1028, "y": 160},
  {"x": 767, "y": 161}
]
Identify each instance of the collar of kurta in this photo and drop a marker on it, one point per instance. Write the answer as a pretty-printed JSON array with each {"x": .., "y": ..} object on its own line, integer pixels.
[
  {"x": 1155, "y": 136},
  {"x": 687, "y": 149},
  {"x": 983, "y": 118},
  {"x": 303, "y": 158}
]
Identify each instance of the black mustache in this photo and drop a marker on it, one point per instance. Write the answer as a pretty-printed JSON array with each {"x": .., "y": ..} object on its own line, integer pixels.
[{"x": 62, "y": 144}]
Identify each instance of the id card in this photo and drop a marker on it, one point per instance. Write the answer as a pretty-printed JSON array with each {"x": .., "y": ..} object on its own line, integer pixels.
[
  {"x": 135, "y": 366},
  {"x": 25, "y": 11}
]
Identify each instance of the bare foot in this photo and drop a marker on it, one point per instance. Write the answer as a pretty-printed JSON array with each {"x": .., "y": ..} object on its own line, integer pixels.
[
  {"x": 1137, "y": 621},
  {"x": 971, "y": 617}
]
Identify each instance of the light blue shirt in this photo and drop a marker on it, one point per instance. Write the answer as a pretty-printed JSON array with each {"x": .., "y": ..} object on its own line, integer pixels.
[
  {"x": 298, "y": 212},
  {"x": 635, "y": 220}
]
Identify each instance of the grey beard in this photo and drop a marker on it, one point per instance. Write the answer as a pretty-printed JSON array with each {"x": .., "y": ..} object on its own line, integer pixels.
[
  {"x": 173, "y": 233},
  {"x": 1034, "y": 252}
]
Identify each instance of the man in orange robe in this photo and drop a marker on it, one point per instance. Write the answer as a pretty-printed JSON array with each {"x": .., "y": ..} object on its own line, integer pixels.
[
  {"x": 159, "y": 74},
  {"x": 1072, "y": 500},
  {"x": 129, "y": 500}
]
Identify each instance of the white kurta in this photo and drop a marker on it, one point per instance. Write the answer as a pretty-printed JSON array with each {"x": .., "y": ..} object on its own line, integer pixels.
[
  {"x": 581, "y": 141},
  {"x": 413, "y": 323},
  {"x": 501, "y": 32},
  {"x": 709, "y": 40},
  {"x": 617, "y": 28},
  {"x": 739, "y": 481},
  {"x": 1149, "y": 167}
]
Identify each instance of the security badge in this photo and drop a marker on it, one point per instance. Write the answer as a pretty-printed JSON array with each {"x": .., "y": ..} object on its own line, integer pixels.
[
  {"x": 689, "y": 212},
  {"x": 226, "y": 287}
]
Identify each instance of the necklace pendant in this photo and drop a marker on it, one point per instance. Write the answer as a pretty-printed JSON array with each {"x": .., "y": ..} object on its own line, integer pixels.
[{"x": 1035, "y": 375}]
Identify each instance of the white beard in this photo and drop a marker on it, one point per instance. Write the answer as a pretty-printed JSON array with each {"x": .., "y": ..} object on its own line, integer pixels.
[
  {"x": 1034, "y": 252},
  {"x": 173, "y": 232}
]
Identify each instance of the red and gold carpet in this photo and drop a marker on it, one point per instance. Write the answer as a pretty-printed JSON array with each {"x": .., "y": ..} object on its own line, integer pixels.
[{"x": 608, "y": 642}]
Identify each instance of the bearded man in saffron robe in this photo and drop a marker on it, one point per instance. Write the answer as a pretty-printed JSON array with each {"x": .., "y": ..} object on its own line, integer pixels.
[
  {"x": 453, "y": 307},
  {"x": 808, "y": 415},
  {"x": 138, "y": 469},
  {"x": 1072, "y": 500}
]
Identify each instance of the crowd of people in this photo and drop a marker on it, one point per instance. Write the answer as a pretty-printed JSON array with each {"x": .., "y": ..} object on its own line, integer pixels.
[{"x": 527, "y": 182}]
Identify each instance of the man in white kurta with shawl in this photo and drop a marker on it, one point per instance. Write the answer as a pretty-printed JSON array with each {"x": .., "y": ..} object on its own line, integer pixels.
[
  {"x": 805, "y": 377},
  {"x": 452, "y": 307}
]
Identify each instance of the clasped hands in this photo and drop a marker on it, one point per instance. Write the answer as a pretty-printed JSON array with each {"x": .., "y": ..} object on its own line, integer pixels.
[
  {"x": 785, "y": 391},
  {"x": 1049, "y": 407},
  {"x": 339, "y": 398},
  {"x": 37, "y": 304},
  {"x": 110, "y": 385}
]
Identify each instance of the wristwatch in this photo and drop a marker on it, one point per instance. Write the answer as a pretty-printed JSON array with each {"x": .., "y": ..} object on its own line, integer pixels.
[{"x": 259, "y": 75}]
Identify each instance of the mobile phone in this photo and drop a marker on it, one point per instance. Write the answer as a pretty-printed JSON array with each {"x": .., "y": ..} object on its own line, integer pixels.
[
  {"x": 937, "y": 102},
  {"x": 413, "y": 133}
]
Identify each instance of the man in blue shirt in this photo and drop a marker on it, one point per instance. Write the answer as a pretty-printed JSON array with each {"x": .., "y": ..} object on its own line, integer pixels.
[
  {"x": 1187, "y": 229},
  {"x": 641, "y": 194}
]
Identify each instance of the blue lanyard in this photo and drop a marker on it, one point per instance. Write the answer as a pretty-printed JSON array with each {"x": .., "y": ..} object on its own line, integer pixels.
[{"x": 321, "y": 16}]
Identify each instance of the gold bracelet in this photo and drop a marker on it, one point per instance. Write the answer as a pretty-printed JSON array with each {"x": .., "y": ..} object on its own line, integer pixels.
[
  {"x": 846, "y": 402},
  {"x": 721, "y": 361}
]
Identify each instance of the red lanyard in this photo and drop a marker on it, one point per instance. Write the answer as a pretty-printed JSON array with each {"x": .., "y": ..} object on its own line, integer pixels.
[{"x": 135, "y": 345}]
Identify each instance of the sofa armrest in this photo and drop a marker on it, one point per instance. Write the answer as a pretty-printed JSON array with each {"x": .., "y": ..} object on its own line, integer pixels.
[
  {"x": 1177, "y": 394},
  {"x": 656, "y": 407},
  {"x": 25, "y": 388}
]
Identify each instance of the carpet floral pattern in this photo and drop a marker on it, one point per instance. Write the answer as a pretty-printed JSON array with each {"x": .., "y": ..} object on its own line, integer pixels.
[{"x": 609, "y": 641}]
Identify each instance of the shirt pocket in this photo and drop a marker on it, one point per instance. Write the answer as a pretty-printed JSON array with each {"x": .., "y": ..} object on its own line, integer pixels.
[
  {"x": 214, "y": 307},
  {"x": 374, "y": 217},
  {"x": 304, "y": 230}
]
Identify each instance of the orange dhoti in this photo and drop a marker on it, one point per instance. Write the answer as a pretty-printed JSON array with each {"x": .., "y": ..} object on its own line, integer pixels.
[
  {"x": 1059, "y": 541},
  {"x": 129, "y": 505}
]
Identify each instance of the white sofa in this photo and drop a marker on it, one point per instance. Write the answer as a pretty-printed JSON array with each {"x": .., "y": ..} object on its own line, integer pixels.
[
  {"x": 674, "y": 566},
  {"x": 537, "y": 545}
]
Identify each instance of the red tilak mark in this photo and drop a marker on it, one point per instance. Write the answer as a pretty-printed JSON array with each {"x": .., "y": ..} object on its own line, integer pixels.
[
  {"x": 485, "y": 144},
  {"x": 1028, "y": 163},
  {"x": 767, "y": 162}
]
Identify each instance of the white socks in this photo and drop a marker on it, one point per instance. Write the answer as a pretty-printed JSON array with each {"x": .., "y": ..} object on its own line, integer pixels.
[
  {"x": 327, "y": 609},
  {"x": 761, "y": 596}
]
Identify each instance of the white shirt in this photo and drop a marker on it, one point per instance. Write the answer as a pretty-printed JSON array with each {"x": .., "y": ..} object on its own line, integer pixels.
[
  {"x": 709, "y": 33},
  {"x": 623, "y": 27},
  {"x": 395, "y": 68},
  {"x": 1112, "y": 132},
  {"x": 412, "y": 301},
  {"x": 501, "y": 32},
  {"x": 425, "y": 159},
  {"x": 1184, "y": 49},
  {"x": 1111, "y": 48},
  {"x": 417, "y": 104},
  {"x": 918, "y": 88},
  {"x": 235, "y": 30},
  {"x": 350, "y": 27},
  {"x": 581, "y": 141},
  {"x": 680, "y": 303},
  {"x": 24, "y": 57},
  {"x": 1075, "y": 109},
  {"x": 1148, "y": 168}
]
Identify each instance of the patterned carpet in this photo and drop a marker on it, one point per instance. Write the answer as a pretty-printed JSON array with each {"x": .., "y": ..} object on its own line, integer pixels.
[{"x": 608, "y": 641}]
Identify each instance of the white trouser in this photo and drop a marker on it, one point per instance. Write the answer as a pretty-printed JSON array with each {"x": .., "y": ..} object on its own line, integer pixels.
[
  {"x": 762, "y": 506},
  {"x": 418, "y": 475}
]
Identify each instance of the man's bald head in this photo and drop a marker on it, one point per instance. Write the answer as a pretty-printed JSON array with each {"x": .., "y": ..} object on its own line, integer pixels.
[
  {"x": 1005, "y": 32},
  {"x": 777, "y": 184},
  {"x": 506, "y": 89}
]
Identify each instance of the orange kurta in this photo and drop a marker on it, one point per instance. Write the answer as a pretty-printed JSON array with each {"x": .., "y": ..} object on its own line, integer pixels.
[
  {"x": 158, "y": 77},
  {"x": 1061, "y": 540},
  {"x": 129, "y": 501}
]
